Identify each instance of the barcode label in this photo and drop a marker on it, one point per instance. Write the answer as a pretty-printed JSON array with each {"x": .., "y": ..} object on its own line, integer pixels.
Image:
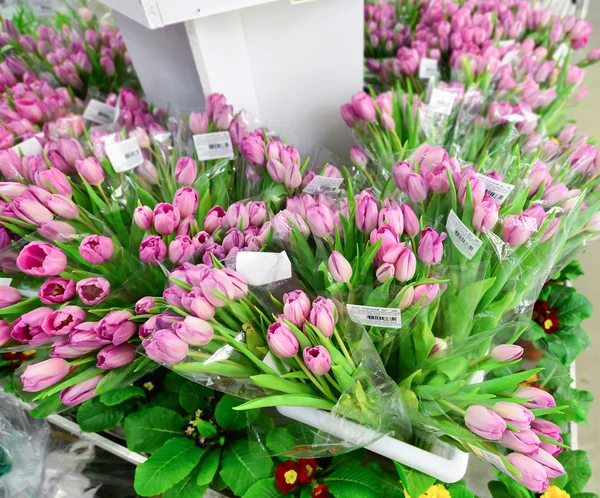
[
  {"x": 390, "y": 318},
  {"x": 560, "y": 53},
  {"x": 497, "y": 190},
  {"x": 323, "y": 184},
  {"x": 441, "y": 101},
  {"x": 99, "y": 112},
  {"x": 464, "y": 240},
  {"x": 495, "y": 460},
  {"x": 30, "y": 147},
  {"x": 213, "y": 146},
  {"x": 125, "y": 155},
  {"x": 427, "y": 68},
  {"x": 506, "y": 43}
]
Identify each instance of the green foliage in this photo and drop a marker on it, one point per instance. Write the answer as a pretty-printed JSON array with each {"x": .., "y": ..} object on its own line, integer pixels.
[
  {"x": 354, "y": 482},
  {"x": 118, "y": 396},
  {"x": 94, "y": 416},
  {"x": 243, "y": 464},
  {"x": 149, "y": 429},
  {"x": 232, "y": 420},
  {"x": 577, "y": 471},
  {"x": 193, "y": 396},
  {"x": 264, "y": 488}
]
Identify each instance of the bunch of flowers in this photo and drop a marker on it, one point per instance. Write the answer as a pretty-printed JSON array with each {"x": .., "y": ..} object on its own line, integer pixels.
[{"x": 79, "y": 50}]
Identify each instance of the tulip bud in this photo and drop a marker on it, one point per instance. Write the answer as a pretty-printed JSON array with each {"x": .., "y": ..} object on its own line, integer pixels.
[
  {"x": 5, "y": 332},
  {"x": 31, "y": 211},
  {"x": 485, "y": 215},
  {"x": 406, "y": 265},
  {"x": 484, "y": 422},
  {"x": 411, "y": 222},
  {"x": 340, "y": 269},
  {"x": 358, "y": 157},
  {"x": 194, "y": 331},
  {"x": 217, "y": 280},
  {"x": 552, "y": 466},
  {"x": 282, "y": 340},
  {"x": 533, "y": 475},
  {"x": 507, "y": 352},
  {"x": 431, "y": 249},
  {"x": 537, "y": 397},
  {"x": 385, "y": 272},
  {"x": 415, "y": 187},
  {"x": 44, "y": 374},
  {"x": 196, "y": 303},
  {"x": 166, "y": 218},
  {"x": 214, "y": 219},
  {"x": 198, "y": 122},
  {"x": 237, "y": 216},
  {"x": 115, "y": 356},
  {"x": 517, "y": 229},
  {"x": 80, "y": 392},
  {"x": 556, "y": 193},
  {"x": 186, "y": 171},
  {"x": 367, "y": 213},
  {"x": 62, "y": 206},
  {"x": 90, "y": 170},
  {"x": 322, "y": 316},
  {"x": 439, "y": 346},
  {"x": 320, "y": 220},
  {"x": 165, "y": 347},
  {"x": 400, "y": 172},
  {"x": 296, "y": 307},
  {"x": 186, "y": 201},
  {"x": 143, "y": 217},
  {"x": 363, "y": 106},
  {"x": 54, "y": 179},
  {"x": 515, "y": 414},
  {"x": 317, "y": 359},
  {"x": 8, "y": 296},
  {"x": 427, "y": 291},
  {"x": 152, "y": 250},
  {"x": 57, "y": 231},
  {"x": 96, "y": 249},
  {"x": 525, "y": 441},
  {"x": 348, "y": 115}
]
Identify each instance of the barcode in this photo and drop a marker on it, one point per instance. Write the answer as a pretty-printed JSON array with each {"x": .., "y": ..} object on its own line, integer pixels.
[
  {"x": 133, "y": 153},
  {"x": 495, "y": 195},
  {"x": 463, "y": 240},
  {"x": 382, "y": 318},
  {"x": 217, "y": 146},
  {"x": 103, "y": 115}
]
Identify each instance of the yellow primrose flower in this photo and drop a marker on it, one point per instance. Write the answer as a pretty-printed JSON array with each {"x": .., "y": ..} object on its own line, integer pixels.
[
  {"x": 438, "y": 491},
  {"x": 555, "y": 492}
]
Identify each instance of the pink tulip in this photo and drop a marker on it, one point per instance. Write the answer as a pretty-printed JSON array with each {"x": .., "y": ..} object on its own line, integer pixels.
[
  {"x": 31, "y": 211},
  {"x": 214, "y": 219},
  {"x": 186, "y": 171},
  {"x": 91, "y": 170},
  {"x": 198, "y": 122},
  {"x": 517, "y": 229},
  {"x": 320, "y": 220},
  {"x": 385, "y": 272},
  {"x": 166, "y": 218},
  {"x": 363, "y": 106},
  {"x": 237, "y": 216},
  {"x": 196, "y": 303},
  {"x": 93, "y": 290},
  {"x": 431, "y": 246},
  {"x": 62, "y": 206},
  {"x": 416, "y": 187},
  {"x": 485, "y": 215},
  {"x": 406, "y": 265},
  {"x": 96, "y": 249},
  {"x": 217, "y": 281},
  {"x": 552, "y": 466},
  {"x": 166, "y": 348},
  {"x": 533, "y": 475},
  {"x": 537, "y": 397},
  {"x": 181, "y": 249},
  {"x": 116, "y": 327},
  {"x": 39, "y": 376},
  {"x": 282, "y": 340},
  {"x": 296, "y": 307},
  {"x": 339, "y": 268},
  {"x": 525, "y": 441},
  {"x": 515, "y": 414},
  {"x": 28, "y": 328},
  {"x": 80, "y": 392},
  {"x": 54, "y": 179},
  {"x": 484, "y": 422},
  {"x": 115, "y": 356},
  {"x": 427, "y": 292},
  {"x": 143, "y": 217},
  {"x": 63, "y": 320},
  {"x": 194, "y": 331},
  {"x": 152, "y": 250},
  {"x": 322, "y": 316},
  {"x": 5, "y": 332},
  {"x": 411, "y": 222},
  {"x": 317, "y": 359},
  {"x": 8, "y": 296},
  {"x": 507, "y": 352},
  {"x": 186, "y": 201},
  {"x": 41, "y": 259},
  {"x": 367, "y": 213},
  {"x": 57, "y": 290}
]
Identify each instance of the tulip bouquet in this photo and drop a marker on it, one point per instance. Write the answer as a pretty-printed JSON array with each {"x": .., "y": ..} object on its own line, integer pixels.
[{"x": 79, "y": 49}]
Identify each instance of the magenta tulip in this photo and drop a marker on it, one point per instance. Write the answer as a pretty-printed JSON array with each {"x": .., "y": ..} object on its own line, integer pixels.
[
  {"x": 39, "y": 376},
  {"x": 41, "y": 259},
  {"x": 116, "y": 327},
  {"x": 525, "y": 441},
  {"x": 166, "y": 348},
  {"x": 431, "y": 248},
  {"x": 533, "y": 475},
  {"x": 194, "y": 331},
  {"x": 57, "y": 290},
  {"x": 28, "y": 328},
  {"x": 296, "y": 307},
  {"x": 143, "y": 217},
  {"x": 537, "y": 397},
  {"x": 339, "y": 268},
  {"x": 166, "y": 218},
  {"x": 5, "y": 332},
  {"x": 186, "y": 201},
  {"x": 214, "y": 219},
  {"x": 507, "y": 352},
  {"x": 90, "y": 170},
  {"x": 63, "y": 320},
  {"x": 8, "y": 296},
  {"x": 320, "y": 220},
  {"x": 115, "y": 356},
  {"x": 186, "y": 171},
  {"x": 514, "y": 414},
  {"x": 416, "y": 187},
  {"x": 152, "y": 250}
]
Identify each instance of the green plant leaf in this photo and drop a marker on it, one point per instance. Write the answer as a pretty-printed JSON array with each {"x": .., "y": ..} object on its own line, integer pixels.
[
  {"x": 187, "y": 487},
  {"x": 119, "y": 396},
  {"x": 208, "y": 467},
  {"x": 125, "y": 375},
  {"x": 354, "y": 482},
  {"x": 498, "y": 490},
  {"x": 264, "y": 488},
  {"x": 93, "y": 416},
  {"x": 577, "y": 471},
  {"x": 232, "y": 420},
  {"x": 193, "y": 396},
  {"x": 149, "y": 429},
  {"x": 168, "y": 466},
  {"x": 46, "y": 407},
  {"x": 280, "y": 441},
  {"x": 415, "y": 482},
  {"x": 460, "y": 491},
  {"x": 243, "y": 464},
  {"x": 515, "y": 489}
]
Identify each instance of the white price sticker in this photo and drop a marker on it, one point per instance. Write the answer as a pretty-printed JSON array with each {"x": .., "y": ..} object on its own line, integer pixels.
[
  {"x": 506, "y": 43},
  {"x": 5, "y": 282},
  {"x": 464, "y": 240},
  {"x": 389, "y": 318},
  {"x": 427, "y": 68},
  {"x": 323, "y": 184},
  {"x": 213, "y": 146},
  {"x": 125, "y": 155},
  {"x": 30, "y": 147},
  {"x": 494, "y": 460},
  {"x": 42, "y": 7},
  {"x": 100, "y": 113},
  {"x": 560, "y": 53},
  {"x": 261, "y": 268},
  {"x": 497, "y": 190},
  {"x": 442, "y": 101}
]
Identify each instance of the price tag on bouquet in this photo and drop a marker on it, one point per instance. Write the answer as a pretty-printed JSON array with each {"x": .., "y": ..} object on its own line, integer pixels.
[
  {"x": 441, "y": 101},
  {"x": 323, "y": 184},
  {"x": 42, "y": 7},
  {"x": 389, "y": 318},
  {"x": 428, "y": 68},
  {"x": 464, "y": 240},
  {"x": 99, "y": 112},
  {"x": 30, "y": 147},
  {"x": 491, "y": 458},
  {"x": 497, "y": 190},
  {"x": 125, "y": 155},
  {"x": 560, "y": 53},
  {"x": 213, "y": 146}
]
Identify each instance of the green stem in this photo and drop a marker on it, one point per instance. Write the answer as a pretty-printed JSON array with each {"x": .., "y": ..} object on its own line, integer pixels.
[
  {"x": 343, "y": 348},
  {"x": 453, "y": 407},
  {"x": 317, "y": 384},
  {"x": 333, "y": 382}
]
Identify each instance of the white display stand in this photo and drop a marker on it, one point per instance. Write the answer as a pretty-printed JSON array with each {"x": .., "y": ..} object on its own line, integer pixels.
[{"x": 291, "y": 66}]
